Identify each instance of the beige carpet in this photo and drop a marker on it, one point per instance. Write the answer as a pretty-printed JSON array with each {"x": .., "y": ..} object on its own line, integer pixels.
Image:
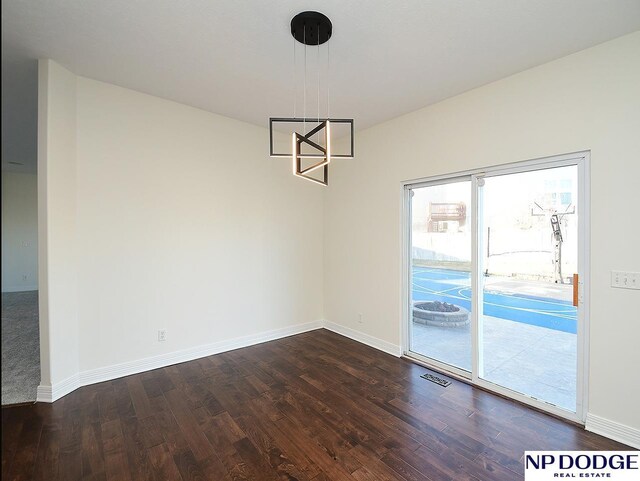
[{"x": 20, "y": 347}]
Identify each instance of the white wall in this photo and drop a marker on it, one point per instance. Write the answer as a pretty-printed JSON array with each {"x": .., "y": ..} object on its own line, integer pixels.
[
  {"x": 182, "y": 222},
  {"x": 587, "y": 101},
  {"x": 58, "y": 297},
  {"x": 19, "y": 232},
  {"x": 160, "y": 215}
]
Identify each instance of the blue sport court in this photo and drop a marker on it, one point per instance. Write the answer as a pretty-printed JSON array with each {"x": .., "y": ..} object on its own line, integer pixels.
[{"x": 444, "y": 285}]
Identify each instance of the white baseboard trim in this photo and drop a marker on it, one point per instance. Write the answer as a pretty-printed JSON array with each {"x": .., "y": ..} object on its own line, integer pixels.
[
  {"x": 360, "y": 336},
  {"x": 48, "y": 393},
  {"x": 613, "y": 430},
  {"x": 19, "y": 288}
]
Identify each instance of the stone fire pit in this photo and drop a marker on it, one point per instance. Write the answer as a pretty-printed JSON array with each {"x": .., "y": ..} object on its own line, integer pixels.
[{"x": 443, "y": 314}]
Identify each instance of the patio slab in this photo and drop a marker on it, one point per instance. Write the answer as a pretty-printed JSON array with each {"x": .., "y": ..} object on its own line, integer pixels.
[{"x": 532, "y": 360}]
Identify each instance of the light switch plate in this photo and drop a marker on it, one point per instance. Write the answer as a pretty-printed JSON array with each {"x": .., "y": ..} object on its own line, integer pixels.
[{"x": 625, "y": 280}]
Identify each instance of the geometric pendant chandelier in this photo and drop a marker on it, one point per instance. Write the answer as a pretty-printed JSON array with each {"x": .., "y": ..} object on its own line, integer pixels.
[{"x": 311, "y": 143}]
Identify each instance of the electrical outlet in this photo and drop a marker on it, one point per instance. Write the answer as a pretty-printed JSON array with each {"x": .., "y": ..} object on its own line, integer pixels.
[
  {"x": 360, "y": 318},
  {"x": 625, "y": 280},
  {"x": 162, "y": 335}
]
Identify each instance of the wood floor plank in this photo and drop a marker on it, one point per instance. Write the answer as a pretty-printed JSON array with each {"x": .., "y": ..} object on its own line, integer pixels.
[
  {"x": 46, "y": 465},
  {"x": 116, "y": 462},
  {"x": 12, "y": 421},
  {"x": 164, "y": 466},
  {"x": 24, "y": 459},
  {"x": 290, "y": 449},
  {"x": 311, "y": 407},
  {"x": 426, "y": 462},
  {"x": 260, "y": 433},
  {"x": 188, "y": 466},
  {"x": 321, "y": 456},
  {"x": 403, "y": 468},
  {"x": 106, "y": 399},
  {"x": 212, "y": 468},
  {"x": 150, "y": 432},
  {"x": 92, "y": 451},
  {"x": 258, "y": 464},
  {"x": 139, "y": 397},
  {"x": 226, "y": 451},
  {"x": 152, "y": 387},
  {"x": 124, "y": 402},
  {"x": 137, "y": 453},
  {"x": 373, "y": 467},
  {"x": 191, "y": 430}
]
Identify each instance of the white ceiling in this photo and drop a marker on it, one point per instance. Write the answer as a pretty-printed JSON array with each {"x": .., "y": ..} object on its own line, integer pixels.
[{"x": 234, "y": 57}]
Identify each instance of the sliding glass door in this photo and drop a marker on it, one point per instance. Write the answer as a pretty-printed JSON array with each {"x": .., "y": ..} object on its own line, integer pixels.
[
  {"x": 494, "y": 264},
  {"x": 441, "y": 272}
]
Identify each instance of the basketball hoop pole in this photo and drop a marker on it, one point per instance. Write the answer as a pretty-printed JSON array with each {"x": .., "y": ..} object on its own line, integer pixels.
[
  {"x": 557, "y": 251},
  {"x": 555, "y": 220}
]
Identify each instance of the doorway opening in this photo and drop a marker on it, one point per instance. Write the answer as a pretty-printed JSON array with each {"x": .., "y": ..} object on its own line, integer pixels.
[{"x": 20, "y": 319}]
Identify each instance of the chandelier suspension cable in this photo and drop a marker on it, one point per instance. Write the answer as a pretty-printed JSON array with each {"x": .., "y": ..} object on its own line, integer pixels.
[
  {"x": 295, "y": 83},
  {"x": 318, "y": 67},
  {"x": 328, "y": 60},
  {"x": 304, "y": 95}
]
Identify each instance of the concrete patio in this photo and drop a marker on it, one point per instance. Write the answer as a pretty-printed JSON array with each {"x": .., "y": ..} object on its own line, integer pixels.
[{"x": 532, "y": 360}]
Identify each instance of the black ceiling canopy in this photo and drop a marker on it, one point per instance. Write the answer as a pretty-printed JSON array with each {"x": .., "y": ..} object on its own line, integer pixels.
[{"x": 311, "y": 28}]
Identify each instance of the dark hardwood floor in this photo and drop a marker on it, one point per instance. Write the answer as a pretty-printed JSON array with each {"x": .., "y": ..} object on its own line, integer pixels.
[{"x": 316, "y": 406}]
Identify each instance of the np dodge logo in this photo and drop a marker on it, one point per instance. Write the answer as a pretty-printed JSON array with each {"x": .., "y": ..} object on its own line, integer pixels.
[{"x": 611, "y": 465}]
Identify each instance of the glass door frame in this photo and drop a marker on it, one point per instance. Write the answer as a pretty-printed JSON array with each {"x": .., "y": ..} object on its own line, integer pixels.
[
  {"x": 408, "y": 265},
  {"x": 579, "y": 159}
]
